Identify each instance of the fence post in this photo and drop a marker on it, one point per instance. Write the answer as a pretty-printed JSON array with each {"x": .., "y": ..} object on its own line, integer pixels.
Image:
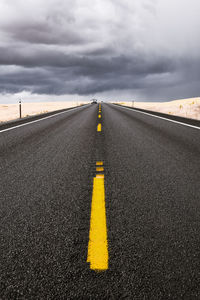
[{"x": 20, "y": 109}]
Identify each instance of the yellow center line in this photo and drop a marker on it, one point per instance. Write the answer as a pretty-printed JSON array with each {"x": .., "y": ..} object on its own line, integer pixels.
[
  {"x": 98, "y": 244},
  {"x": 99, "y": 116},
  {"x": 99, "y": 176},
  {"x": 99, "y": 127},
  {"x": 99, "y": 169},
  {"x": 99, "y": 163}
]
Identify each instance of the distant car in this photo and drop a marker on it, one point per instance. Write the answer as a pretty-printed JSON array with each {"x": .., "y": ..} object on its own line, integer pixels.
[{"x": 94, "y": 101}]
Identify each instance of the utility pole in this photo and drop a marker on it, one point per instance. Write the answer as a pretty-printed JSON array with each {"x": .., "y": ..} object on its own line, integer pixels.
[
  {"x": 132, "y": 103},
  {"x": 20, "y": 109}
]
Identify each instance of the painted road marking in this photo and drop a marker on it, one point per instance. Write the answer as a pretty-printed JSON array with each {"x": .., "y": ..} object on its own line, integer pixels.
[
  {"x": 99, "y": 169},
  {"x": 31, "y": 122},
  {"x": 98, "y": 243},
  {"x": 99, "y": 116},
  {"x": 99, "y": 176},
  {"x": 99, "y": 163},
  {"x": 170, "y": 120},
  {"x": 99, "y": 127}
]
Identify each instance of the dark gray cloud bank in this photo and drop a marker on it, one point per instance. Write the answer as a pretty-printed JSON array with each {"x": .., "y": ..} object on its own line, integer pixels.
[{"x": 143, "y": 49}]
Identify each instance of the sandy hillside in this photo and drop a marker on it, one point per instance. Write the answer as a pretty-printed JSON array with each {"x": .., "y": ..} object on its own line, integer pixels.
[
  {"x": 189, "y": 108},
  {"x": 11, "y": 111}
]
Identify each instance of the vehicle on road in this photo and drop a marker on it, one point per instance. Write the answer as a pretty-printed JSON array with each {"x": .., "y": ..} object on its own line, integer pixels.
[{"x": 94, "y": 101}]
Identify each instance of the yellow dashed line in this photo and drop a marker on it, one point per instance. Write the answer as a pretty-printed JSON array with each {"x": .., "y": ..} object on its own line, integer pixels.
[
  {"x": 99, "y": 127},
  {"x": 99, "y": 169},
  {"x": 99, "y": 163},
  {"x": 98, "y": 244},
  {"x": 99, "y": 176}
]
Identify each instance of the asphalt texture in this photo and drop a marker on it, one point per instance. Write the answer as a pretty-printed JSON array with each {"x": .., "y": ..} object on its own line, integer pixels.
[{"x": 152, "y": 173}]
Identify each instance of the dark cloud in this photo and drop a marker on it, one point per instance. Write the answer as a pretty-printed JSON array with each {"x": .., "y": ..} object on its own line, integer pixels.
[
  {"x": 44, "y": 34},
  {"x": 64, "y": 74},
  {"x": 65, "y": 47}
]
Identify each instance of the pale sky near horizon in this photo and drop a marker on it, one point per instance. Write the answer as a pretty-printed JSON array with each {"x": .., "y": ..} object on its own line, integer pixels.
[{"x": 143, "y": 50}]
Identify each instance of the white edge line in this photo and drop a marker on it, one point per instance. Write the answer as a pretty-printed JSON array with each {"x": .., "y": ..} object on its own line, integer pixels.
[
  {"x": 170, "y": 120},
  {"x": 31, "y": 122}
]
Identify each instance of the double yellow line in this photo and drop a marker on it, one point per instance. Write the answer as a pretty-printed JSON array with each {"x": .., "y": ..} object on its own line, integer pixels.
[{"x": 98, "y": 242}]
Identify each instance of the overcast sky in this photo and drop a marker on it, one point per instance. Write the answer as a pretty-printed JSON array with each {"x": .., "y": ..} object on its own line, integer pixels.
[{"x": 109, "y": 49}]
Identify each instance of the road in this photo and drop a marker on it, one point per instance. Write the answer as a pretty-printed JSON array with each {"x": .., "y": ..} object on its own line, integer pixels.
[{"x": 150, "y": 179}]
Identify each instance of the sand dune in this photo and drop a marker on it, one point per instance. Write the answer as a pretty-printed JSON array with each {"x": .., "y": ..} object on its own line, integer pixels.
[
  {"x": 11, "y": 111},
  {"x": 189, "y": 108}
]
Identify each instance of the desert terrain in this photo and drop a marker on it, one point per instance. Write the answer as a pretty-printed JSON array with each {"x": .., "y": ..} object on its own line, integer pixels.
[
  {"x": 189, "y": 108},
  {"x": 11, "y": 111}
]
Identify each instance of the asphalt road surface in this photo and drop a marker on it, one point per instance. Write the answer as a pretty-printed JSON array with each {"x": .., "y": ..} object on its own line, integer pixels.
[{"x": 152, "y": 199}]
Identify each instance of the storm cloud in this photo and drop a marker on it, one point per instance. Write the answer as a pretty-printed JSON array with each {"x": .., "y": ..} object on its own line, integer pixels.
[{"x": 143, "y": 49}]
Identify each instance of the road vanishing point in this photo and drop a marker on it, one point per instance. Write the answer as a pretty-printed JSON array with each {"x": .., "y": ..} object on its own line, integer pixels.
[{"x": 100, "y": 202}]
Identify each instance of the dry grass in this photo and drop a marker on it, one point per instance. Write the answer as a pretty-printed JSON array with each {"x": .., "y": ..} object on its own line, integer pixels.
[
  {"x": 189, "y": 108},
  {"x": 11, "y": 111}
]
